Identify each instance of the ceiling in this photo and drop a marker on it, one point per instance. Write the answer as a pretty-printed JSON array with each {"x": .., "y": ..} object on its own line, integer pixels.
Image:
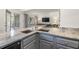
[
  {"x": 41, "y": 10},
  {"x": 35, "y": 10},
  {"x": 24, "y": 9}
]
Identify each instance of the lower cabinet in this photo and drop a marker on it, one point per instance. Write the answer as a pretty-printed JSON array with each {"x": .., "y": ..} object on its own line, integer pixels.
[
  {"x": 31, "y": 42},
  {"x": 59, "y": 46},
  {"x": 44, "y": 41},
  {"x": 45, "y": 44},
  {"x": 31, "y": 45},
  {"x": 56, "y": 42},
  {"x": 66, "y": 43}
]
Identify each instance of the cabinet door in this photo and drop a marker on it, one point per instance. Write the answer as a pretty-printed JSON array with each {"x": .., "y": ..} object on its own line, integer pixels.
[
  {"x": 31, "y": 45},
  {"x": 37, "y": 43},
  {"x": 59, "y": 46},
  {"x": 45, "y": 44},
  {"x": 67, "y": 42},
  {"x": 34, "y": 40},
  {"x": 27, "y": 40}
]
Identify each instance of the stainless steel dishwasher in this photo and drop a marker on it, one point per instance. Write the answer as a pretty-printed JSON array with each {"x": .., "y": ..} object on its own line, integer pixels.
[{"x": 16, "y": 45}]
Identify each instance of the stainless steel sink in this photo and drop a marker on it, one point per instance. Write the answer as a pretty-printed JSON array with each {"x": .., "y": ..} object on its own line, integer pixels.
[
  {"x": 26, "y": 31},
  {"x": 43, "y": 30}
]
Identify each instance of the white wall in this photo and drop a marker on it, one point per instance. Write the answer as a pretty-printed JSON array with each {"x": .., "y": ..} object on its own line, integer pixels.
[
  {"x": 2, "y": 20},
  {"x": 22, "y": 21},
  {"x": 69, "y": 18},
  {"x": 54, "y": 17}
]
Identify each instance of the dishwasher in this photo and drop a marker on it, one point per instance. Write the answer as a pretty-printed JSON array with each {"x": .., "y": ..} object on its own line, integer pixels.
[{"x": 16, "y": 45}]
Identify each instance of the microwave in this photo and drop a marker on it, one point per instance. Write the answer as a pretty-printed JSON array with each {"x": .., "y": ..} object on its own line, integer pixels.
[{"x": 45, "y": 19}]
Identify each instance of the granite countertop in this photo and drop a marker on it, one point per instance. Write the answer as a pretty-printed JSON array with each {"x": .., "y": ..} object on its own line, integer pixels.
[
  {"x": 8, "y": 40},
  {"x": 5, "y": 39},
  {"x": 67, "y": 33}
]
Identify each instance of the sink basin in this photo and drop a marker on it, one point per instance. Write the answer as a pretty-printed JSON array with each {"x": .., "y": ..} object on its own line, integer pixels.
[
  {"x": 26, "y": 31},
  {"x": 43, "y": 30}
]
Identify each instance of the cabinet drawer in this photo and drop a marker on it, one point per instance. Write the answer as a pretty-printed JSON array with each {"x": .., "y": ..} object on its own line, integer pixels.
[
  {"x": 28, "y": 40},
  {"x": 45, "y": 44},
  {"x": 70, "y": 43},
  {"x": 30, "y": 45},
  {"x": 46, "y": 37},
  {"x": 58, "y": 46}
]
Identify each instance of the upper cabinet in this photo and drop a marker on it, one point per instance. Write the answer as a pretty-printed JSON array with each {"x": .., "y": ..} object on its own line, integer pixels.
[{"x": 69, "y": 18}]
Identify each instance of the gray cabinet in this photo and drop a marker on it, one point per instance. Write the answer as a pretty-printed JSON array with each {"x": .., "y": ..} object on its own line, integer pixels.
[
  {"x": 30, "y": 42},
  {"x": 55, "y": 42},
  {"x": 46, "y": 41},
  {"x": 67, "y": 42},
  {"x": 59, "y": 46},
  {"x": 31, "y": 45},
  {"x": 45, "y": 44}
]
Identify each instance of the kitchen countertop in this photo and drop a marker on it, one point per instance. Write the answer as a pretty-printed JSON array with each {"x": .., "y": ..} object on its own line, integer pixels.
[
  {"x": 5, "y": 39},
  {"x": 67, "y": 33}
]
